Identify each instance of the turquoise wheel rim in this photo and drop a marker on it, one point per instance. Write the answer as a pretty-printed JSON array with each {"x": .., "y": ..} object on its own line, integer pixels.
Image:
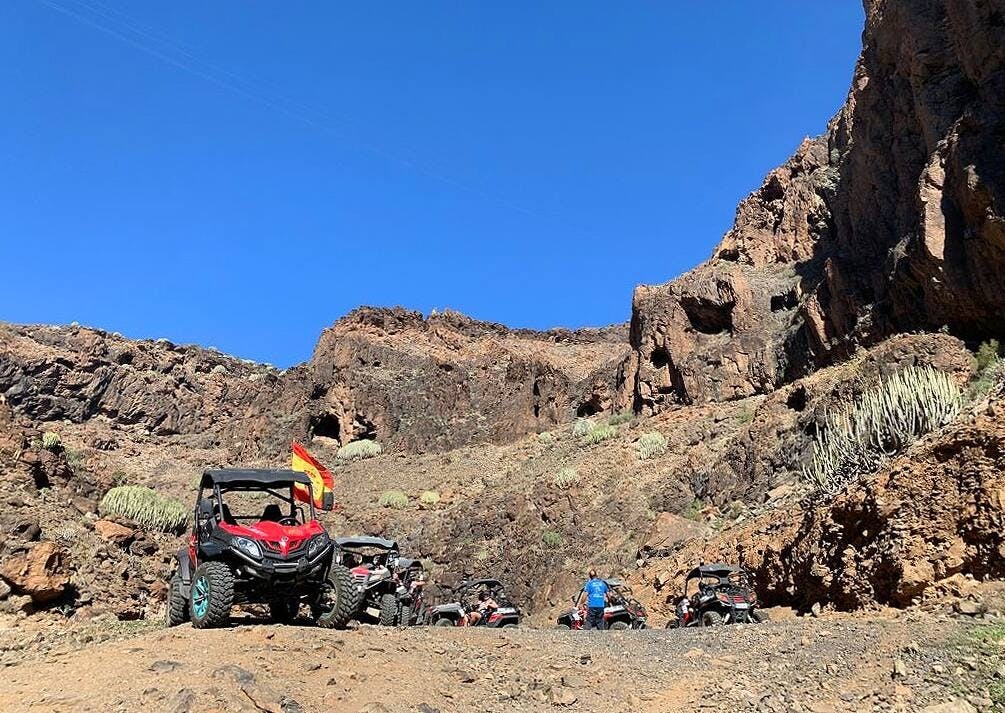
[{"x": 200, "y": 597}]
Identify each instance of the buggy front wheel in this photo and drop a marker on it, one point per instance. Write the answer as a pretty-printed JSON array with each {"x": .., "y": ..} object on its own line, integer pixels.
[
  {"x": 619, "y": 626},
  {"x": 212, "y": 595},
  {"x": 711, "y": 618},
  {"x": 759, "y": 617},
  {"x": 340, "y": 599}
]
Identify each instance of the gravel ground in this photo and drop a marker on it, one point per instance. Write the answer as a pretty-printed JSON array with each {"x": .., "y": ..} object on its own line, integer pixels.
[{"x": 906, "y": 662}]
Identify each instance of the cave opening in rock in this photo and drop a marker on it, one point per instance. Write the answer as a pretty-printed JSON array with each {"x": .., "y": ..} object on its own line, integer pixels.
[
  {"x": 706, "y": 316},
  {"x": 797, "y": 399},
  {"x": 589, "y": 408},
  {"x": 325, "y": 425},
  {"x": 659, "y": 358},
  {"x": 789, "y": 300}
]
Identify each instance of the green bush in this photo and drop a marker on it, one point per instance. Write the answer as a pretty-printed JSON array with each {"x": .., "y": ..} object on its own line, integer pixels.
[
  {"x": 394, "y": 499},
  {"x": 600, "y": 433},
  {"x": 883, "y": 422},
  {"x": 145, "y": 507},
  {"x": 693, "y": 510},
  {"x": 51, "y": 441},
  {"x": 429, "y": 497},
  {"x": 989, "y": 369},
  {"x": 552, "y": 539},
  {"x": 358, "y": 450},
  {"x": 583, "y": 427},
  {"x": 651, "y": 445},
  {"x": 620, "y": 417},
  {"x": 546, "y": 437},
  {"x": 987, "y": 355},
  {"x": 566, "y": 478}
]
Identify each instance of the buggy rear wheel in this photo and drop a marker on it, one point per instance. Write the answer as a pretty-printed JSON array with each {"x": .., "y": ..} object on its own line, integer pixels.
[
  {"x": 509, "y": 626},
  {"x": 388, "y": 610},
  {"x": 564, "y": 627},
  {"x": 340, "y": 599},
  {"x": 444, "y": 622},
  {"x": 177, "y": 604},
  {"x": 212, "y": 595},
  {"x": 759, "y": 617},
  {"x": 619, "y": 626},
  {"x": 711, "y": 618}
]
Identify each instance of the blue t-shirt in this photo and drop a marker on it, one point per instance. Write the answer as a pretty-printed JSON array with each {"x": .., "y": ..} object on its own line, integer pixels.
[{"x": 596, "y": 589}]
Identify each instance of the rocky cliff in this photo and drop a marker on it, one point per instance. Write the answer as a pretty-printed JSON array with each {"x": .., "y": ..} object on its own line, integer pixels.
[
  {"x": 892, "y": 221},
  {"x": 387, "y": 374}
]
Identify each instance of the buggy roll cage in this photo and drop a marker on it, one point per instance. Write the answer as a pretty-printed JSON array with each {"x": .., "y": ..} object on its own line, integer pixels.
[{"x": 245, "y": 480}]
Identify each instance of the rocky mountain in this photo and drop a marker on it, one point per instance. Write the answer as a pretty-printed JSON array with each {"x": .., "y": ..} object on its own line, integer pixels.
[{"x": 892, "y": 221}]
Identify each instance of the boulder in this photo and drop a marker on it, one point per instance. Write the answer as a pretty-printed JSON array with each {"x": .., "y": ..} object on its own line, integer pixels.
[
  {"x": 38, "y": 573},
  {"x": 114, "y": 532}
]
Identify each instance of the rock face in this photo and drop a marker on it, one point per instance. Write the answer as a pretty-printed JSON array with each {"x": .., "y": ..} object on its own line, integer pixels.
[
  {"x": 389, "y": 374},
  {"x": 448, "y": 381},
  {"x": 892, "y": 221}
]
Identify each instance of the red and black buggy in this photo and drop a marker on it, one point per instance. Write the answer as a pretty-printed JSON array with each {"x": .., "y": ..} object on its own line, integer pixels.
[{"x": 241, "y": 552}]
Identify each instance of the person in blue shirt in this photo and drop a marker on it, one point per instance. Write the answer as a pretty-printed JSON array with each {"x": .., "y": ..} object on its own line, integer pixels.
[{"x": 596, "y": 595}]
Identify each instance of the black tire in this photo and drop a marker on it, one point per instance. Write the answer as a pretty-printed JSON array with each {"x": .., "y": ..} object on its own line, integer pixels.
[
  {"x": 214, "y": 584},
  {"x": 444, "y": 622},
  {"x": 388, "y": 610},
  {"x": 177, "y": 604},
  {"x": 564, "y": 627},
  {"x": 711, "y": 618},
  {"x": 284, "y": 612},
  {"x": 343, "y": 599},
  {"x": 406, "y": 616},
  {"x": 619, "y": 626},
  {"x": 759, "y": 617},
  {"x": 509, "y": 626}
]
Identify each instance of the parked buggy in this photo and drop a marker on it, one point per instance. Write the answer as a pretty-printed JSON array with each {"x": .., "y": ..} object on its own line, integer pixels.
[{"x": 717, "y": 594}]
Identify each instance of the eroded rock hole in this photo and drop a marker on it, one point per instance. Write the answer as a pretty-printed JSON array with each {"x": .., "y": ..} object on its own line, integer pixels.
[
  {"x": 325, "y": 425},
  {"x": 797, "y": 399},
  {"x": 783, "y": 302},
  {"x": 659, "y": 358},
  {"x": 589, "y": 408},
  {"x": 706, "y": 316},
  {"x": 363, "y": 428}
]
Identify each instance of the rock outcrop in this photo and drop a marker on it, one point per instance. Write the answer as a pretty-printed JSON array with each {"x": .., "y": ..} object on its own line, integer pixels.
[
  {"x": 447, "y": 381},
  {"x": 389, "y": 374},
  {"x": 892, "y": 221}
]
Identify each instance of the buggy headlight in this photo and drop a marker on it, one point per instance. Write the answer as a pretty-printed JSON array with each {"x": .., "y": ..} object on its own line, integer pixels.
[
  {"x": 317, "y": 545},
  {"x": 248, "y": 547}
]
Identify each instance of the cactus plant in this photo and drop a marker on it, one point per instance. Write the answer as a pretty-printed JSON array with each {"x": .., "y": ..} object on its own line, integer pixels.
[
  {"x": 358, "y": 450},
  {"x": 883, "y": 422},
  {"x": 145, "y": 507},
  {"x": 651, "y": 445},
  {"x": 51, "y": 441},
  {"x": 394, "y": 499},
  {"x": 566, "y": 478},
  {"x": 600, "y": 433}
]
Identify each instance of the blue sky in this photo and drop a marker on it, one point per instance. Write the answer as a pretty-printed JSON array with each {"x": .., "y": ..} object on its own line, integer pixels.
[{"x": 240, "y": 174}]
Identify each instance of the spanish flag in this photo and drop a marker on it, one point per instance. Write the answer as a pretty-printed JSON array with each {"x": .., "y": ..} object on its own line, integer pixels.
[{"x": 322, "y": 482}]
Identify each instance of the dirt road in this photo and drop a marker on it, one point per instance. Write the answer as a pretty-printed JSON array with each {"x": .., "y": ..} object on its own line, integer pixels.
[{"x": 905, "y": 662}]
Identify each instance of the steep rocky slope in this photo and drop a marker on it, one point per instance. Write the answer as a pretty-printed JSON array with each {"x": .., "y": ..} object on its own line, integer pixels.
[
  {"x": 389, "y": 374},
  {"x": 892, "y": 221}
]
